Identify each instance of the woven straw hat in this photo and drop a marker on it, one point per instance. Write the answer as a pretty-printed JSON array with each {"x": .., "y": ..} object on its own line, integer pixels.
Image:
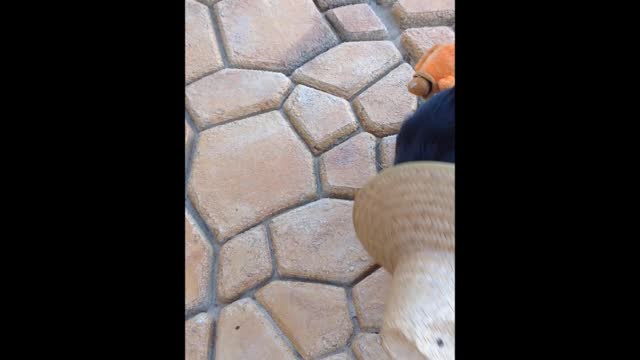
[{"x": 404, "y": 218}]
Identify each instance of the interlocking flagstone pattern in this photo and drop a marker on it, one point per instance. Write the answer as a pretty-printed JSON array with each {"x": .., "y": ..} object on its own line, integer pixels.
[
  {"x": 202, "y": 54},
  {"x": 291, "y": 107}
]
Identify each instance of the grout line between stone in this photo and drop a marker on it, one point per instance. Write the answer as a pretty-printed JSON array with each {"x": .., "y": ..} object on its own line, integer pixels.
[
  {"x": 290, "y": 75},
  {"x": 272, "y": 250},
  {"x": 215, "y": 313},
  {"x": 275, "y": 214},
  {"x": 339, "y": 140},
  {"x": 339, "y": 196},
  {"x": 354, "y": 318},
  {"x": 344, "y": 139},
  {"x": 199, "y": 220},
  {"x": 295, "y": 131},
  {"x": 213, "y": 310},
  {"x": 261, "y": 112},
  {"x": 203, "y": 76},
  {"x": 190, "y": 121},
  {"x": 385, "y": 15},
  {"x": 279, "y": 331},
  {"x": 356, "y": 113},
  {"x": 316, "y": 172},
  {"x": 213, "y": 13},
  {"x": 364, "y": 275},
  {"x": 219, "y": 43},
  {"x": 192, "y": 149},
  {"x": 378, "y": 154},
  {"x": 202, "y": 225},
  {"x": 375, "y": 81},
  {"x": 249, "y": 293},
  {"x": 313, "y": 281}
]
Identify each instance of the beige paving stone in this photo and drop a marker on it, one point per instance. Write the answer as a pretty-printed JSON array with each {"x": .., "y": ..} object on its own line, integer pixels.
[
  {"x": 348, "y": 166},
  {"x": 198, "y": 265},
  {"x": 357, "y": 22},
  {"x": 417, "y": 13},
  {"x": 388, "y": 151},
  {"x": 369, "y": 298},
  {"x": 329, "y": 4},
  {"x": 313, "y": 316},
  {"x": 418, "y": 41},
  {"x": 276, "y": 35},
  {"x": 247, "y": 170},
  {"x": 317, "y": 241},
  {"x": 245, "y": 261},
  {"x": 320, "y": 118},
  {"x": 202, "y": 55},
  {"x": 244, "y": 332},
  {"x": 347, "y": 68},
  {"x": 198, "y": 336},
  {"x": 233, "y": 93},
  {"x": 387, "y": 104},
  {"x": 369, "y": 347}
]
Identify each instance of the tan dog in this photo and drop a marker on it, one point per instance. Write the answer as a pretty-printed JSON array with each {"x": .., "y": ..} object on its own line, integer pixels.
[{"x": 435, "y": 71}]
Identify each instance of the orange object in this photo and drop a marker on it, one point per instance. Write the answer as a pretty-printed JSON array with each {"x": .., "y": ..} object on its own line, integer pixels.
[{"x": 435, "y": 71}]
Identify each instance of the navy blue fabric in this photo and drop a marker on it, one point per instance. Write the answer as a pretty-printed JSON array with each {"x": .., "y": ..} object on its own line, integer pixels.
[{"x": 429, "y": 134}]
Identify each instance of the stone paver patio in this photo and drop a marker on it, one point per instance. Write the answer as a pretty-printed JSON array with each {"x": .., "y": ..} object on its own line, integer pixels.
[{"x": 291, "y": 106}]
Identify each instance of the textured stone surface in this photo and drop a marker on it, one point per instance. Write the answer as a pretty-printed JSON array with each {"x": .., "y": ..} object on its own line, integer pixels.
[
  {"x": 341, "y": 356},
  {"x": 329, "y": 4},
  {"x": 208, "y": 2},
  {"x": 417, "y": 41},
  {"x": 244, "y": 332},
  {"x": 369, "y": 297},
  {"x": 313, "y": 316},
  {"x": 233, "y": 93},
  {"x": 276, "y": 35},
  {"x": 348, "y": 67},
  {"x": 384, "y": 106},
  {"x": 201, "y": 51},
  {"x": 369, "y": 347},
  {"x": 246, "y": 170},
  {"x": 357, "y": 22},
  {"x": 318, "y": 241},
  {"x": 348, "y": 166},
  {"x": 320, "y": 118},
  {"x": 416, "y": 13},
  {"x": 245, "y": 261},
  {"x": 198, "y": 336},
  {"x": 388, "y": 151},
  {"x": 198, "y": 265}
]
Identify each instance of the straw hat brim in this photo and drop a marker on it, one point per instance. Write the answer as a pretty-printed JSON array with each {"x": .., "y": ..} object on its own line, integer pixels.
[{"x": 406, "y": 207}]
